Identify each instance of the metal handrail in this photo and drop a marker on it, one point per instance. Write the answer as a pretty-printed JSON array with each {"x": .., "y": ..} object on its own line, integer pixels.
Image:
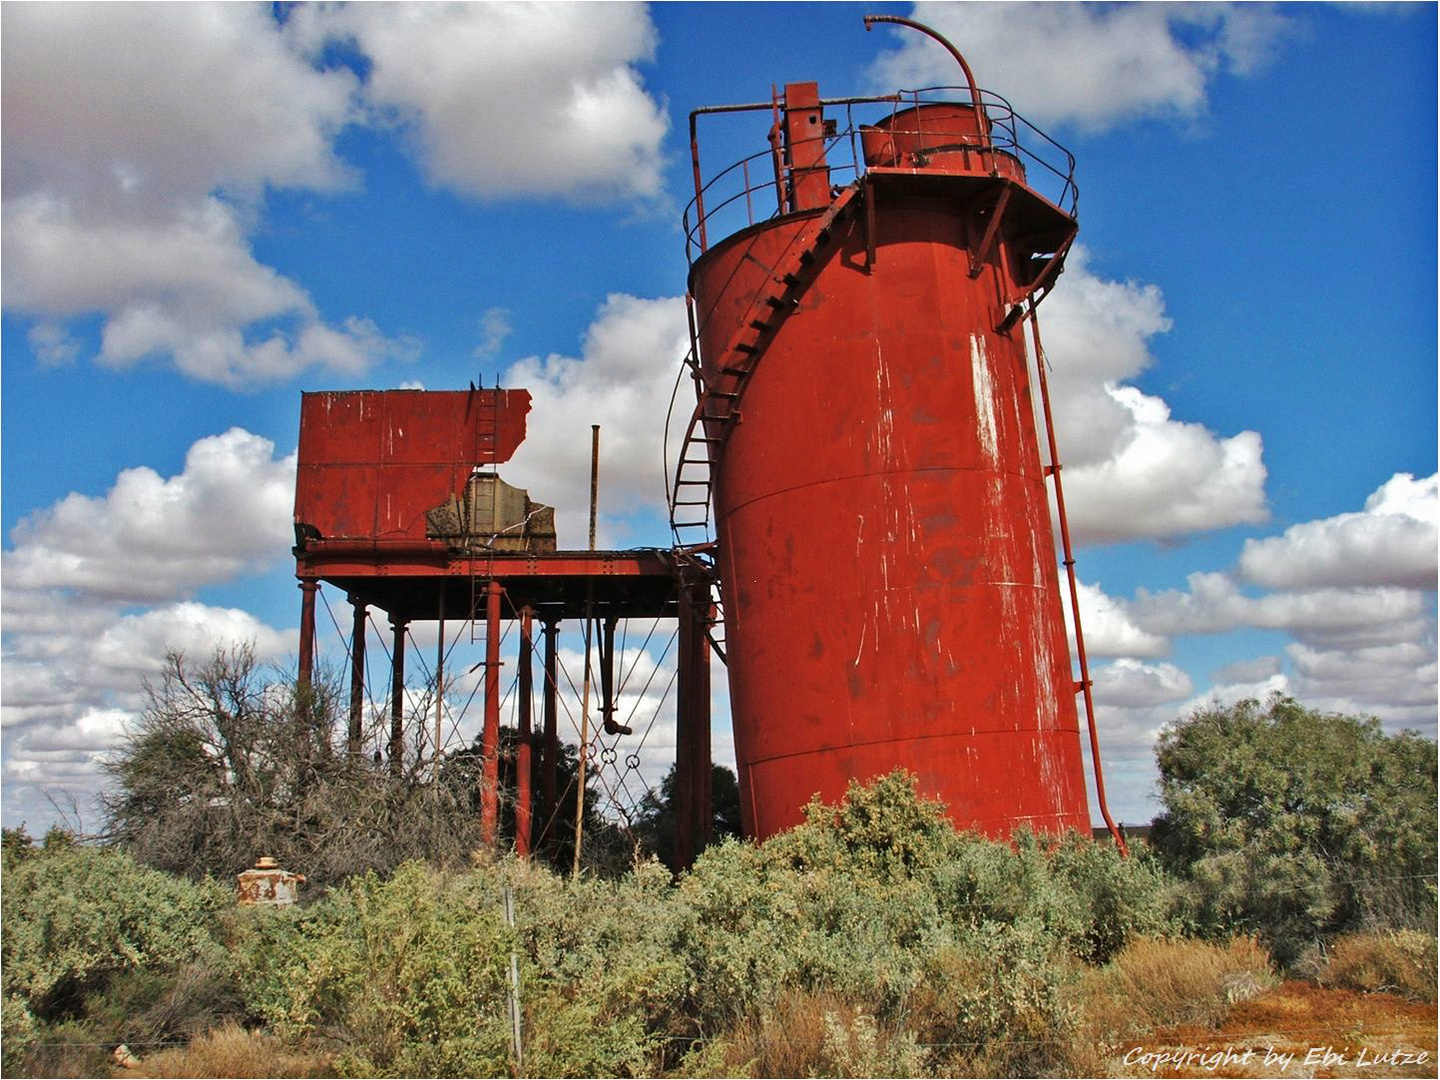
[{"x": 1005, "y": 131}]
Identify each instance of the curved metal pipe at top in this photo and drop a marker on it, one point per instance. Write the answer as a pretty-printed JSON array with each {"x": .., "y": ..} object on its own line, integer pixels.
[{"x": 982, "y": 122}]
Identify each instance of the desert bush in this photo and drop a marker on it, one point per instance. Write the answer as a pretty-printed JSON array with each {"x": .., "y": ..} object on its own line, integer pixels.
[
  {"x": 998, "y": 1002},
  {"x": 601, "y": 964},
  {"x": 18, "y": 1033},
  {"x": 76, "y": 917},
  {"x": 1396, "y": 962},
  {"x": 1159, "y": 983},
  {"x": 1297, "y": 825},
  {"x": 861, "y": 891},
  {"x": 412, "y": 973},
  {"x": 881, "y": 901},
  {"x": 144, "y": 1007},
  {"x": 408, "y": 972}
]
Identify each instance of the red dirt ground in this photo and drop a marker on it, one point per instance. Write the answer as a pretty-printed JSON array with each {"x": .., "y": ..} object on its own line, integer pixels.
[{"x": 1327, "y": 1033}]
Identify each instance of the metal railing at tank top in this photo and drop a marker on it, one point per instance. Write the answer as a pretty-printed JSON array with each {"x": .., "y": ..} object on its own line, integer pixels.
[{"x": 740, "y": 194}]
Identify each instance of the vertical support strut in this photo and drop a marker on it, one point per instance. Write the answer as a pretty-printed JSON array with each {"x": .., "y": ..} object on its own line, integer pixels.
[
  {"x": 490, "y": 738},
  {"x": 550, "y": 760},
  {"x": 522, "y": 745},
  {"x": 308, "y": 589},
  {"x": 702, "y": 813},
  {"x": 397, "y": 696},
  {"x": 357, "y": 676},
  {"x": 1054, "y": 471},
  {"x": 607, "y": 677},
  {"x": 692, "y": 799},
  {"x": 439, "y": 685}
]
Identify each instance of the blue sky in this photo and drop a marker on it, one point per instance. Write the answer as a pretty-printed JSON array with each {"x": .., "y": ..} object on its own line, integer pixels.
[{"x": 209, "y": 210}]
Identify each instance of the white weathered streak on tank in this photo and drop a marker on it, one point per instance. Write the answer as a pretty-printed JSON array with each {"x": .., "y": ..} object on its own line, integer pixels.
[{"x": 984, "y": 398}]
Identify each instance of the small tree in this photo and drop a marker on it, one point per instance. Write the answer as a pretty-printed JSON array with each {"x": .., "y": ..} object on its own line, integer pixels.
[
  {"x": 1296, "y": 824},
  {"x": 225, "y": 765},
  {"x": 655, "y": 823}
]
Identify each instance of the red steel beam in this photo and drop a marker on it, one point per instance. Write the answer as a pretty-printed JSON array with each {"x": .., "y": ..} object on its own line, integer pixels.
[
  {"x": 522, "y": 745},
  {"x": 550, "y": 759},
  {"x": 490, "y": 739},
  {"x": 307, "y": 631},
  {"x": 397, "y": 698},
  {"x": 357, "y": 676}
]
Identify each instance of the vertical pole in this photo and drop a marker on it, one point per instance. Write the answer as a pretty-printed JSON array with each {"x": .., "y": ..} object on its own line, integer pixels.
[
  {"x": 683, "y": 798},
  {"x": 584, "y": 739},
  {"x": 517, "y": 1049},
  {"x": 307, "y": 631},
  {"x": 594, "y": 479},
  {"x": 522, "y": 746},
  {"x": 357, "y": 676},
  {"x": 1053, "y": 471},
  {"x": 589, "y": 620},
  {"x": 550, "y": 762},
  {"x": 607, "y": 677},
  {"x": 704, "y": 813},
  {"x": 439, "y": 685},
  {"x": 490, "y": 739},
  {"x": 397, "y": 697}
]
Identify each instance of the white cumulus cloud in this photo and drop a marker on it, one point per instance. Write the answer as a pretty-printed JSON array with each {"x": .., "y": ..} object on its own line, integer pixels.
[
  {"x": 1130, "y": 683},
  {"x": 140, "y": 141},
  {"x": 1091, "y": 65},
  {"x": 1132, "y": 470},
  {"x": 1393, "y": 541},
  {"x": 153, "y": 538},
  {"x": 1109, "y": 629},
  {"x": 513, "y": 99},
  {"x": 622, "y": 381},
  {"x": 1214, "y": 603}
]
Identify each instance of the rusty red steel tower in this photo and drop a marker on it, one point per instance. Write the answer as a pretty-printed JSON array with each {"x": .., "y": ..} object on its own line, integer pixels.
[{"x": 866, "y": 437}]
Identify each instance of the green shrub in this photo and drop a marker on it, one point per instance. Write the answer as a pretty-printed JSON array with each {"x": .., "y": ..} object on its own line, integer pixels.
[
  {"x": 75, "y": 917},
  {"x": 866, "y": 898},
  {"x": 1296, "y": 825},
  {"x": 408, "y": 972},
  {"x": 18, "y": 1033},
  {"x": 998, "y": 1002}
]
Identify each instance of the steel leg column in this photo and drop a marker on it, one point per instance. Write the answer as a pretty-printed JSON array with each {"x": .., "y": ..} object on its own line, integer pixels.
[
  {"x": 490, "y": 740},
  {"x": 522, "y": 746},
  {"x": 691, "y": 716},
  {"x": 397, "y": 698},
  {"x": 308, "y": 590},
  {"x": 703, "y": 812},
  {"x": 357, "y": 677},
  {"x": 550, "y": 747}
]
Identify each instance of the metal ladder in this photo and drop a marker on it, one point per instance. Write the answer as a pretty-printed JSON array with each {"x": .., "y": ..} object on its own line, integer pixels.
[
  {"x": 717, "y": 411},
  {"x": 487, "y": 438}
]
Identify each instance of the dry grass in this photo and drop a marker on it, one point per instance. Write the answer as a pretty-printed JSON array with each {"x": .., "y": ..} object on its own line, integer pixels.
[
  {"x": 810, "y": 1034},
  {"x": 231, "y": 1051},
  {"x": 1395, "y": 962},
  {"x": 1154, "y": 983}
]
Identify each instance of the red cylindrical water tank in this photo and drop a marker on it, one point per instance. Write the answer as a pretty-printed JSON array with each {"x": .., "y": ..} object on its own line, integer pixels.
[{"x": 888, "y": 570}]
